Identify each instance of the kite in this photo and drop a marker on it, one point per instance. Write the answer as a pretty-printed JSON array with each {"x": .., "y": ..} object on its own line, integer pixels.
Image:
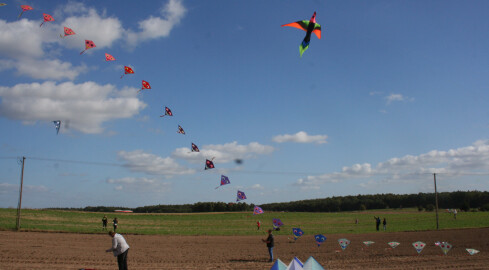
[
  {"x": 257, "y": 210},
  {"x": 224, "y": 181},
  {"x": 88, "y": 45},
  {"x": 312, "y": 264},
  {"x": 319, "y": 239},
  {"x": 127, "y": 70},
  {"x": 68, "y": 32},
  {"x": 240, "y": 196},
  {"x": 343, "y": 243},
  {"x": 472, "y": 251},
  {"x": 208, "y": 164},
  {"x": 295, "y": 264},
  {"x": 279, "y": 265},
  {"x": 109, "y": 57},
  {"x": 445, "y": 247},
  {"x": 57, "y": 125},
  {"x": 145, "y": 85},
  {"x": 194, "y": 147},
  {"x": 277, "y": 223},
  {"x": 24, "y": 8},
  {"x": 47, "y": 18},
  {"x": 169, "y": 113},
  {"x": 393, "y": 244},
  {"x": 310, "y": 27},
  {"x": 368, "y": 243},
  {"x": 297, "y": 232},
  {"x": 419, "y": 246},
  {"x": 180, "y": 130}
]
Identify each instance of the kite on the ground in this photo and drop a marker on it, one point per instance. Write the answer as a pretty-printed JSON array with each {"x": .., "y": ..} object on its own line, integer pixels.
[
  {"x": 279, "y": 265},
  {"x": 224, "y": 181},
  {"x": 312, "y": 264},
  {"x": 419, "y": 246},
  {"x": 240, "y": 196},
  {"x": 209, "y": 164},
  {"x": 68, "y": 32},
  {"x": 47, "y": 18},
  {"x": 169, "y": 113},
  {"x": 109, "y": 57},
  {"x": 257, "y": 210},
  {"x": 343, "y": 243},
  {"x": 194, "y": 146},
  {"x": 277, "y": 223},
  {"x": 472, "y": 251},
  {"x": 88, "y": 45},
  {"x": 57, "y": 125},
  {"x": 180, "y": 130},
  {"x": 145, "y": 85},
  {"x": 297, "y": 232},
  {"x": 24, "y": 8},
  {"x": 319, "y": 239},
  {"x": 445, "y": 247},
  {"x": 310, "y": 27},
  {"x": 295, "y": 264},
  {"x": 393, "y": 244},
  {"x": 127, "y": 70},
  {"x": 368, "y": 243}
]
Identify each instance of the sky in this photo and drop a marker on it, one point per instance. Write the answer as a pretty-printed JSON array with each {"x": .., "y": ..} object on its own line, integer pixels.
[{"x": 393, "y": 92}]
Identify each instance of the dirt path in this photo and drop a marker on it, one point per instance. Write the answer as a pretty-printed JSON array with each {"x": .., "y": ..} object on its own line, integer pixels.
[{"x": 33, "y": 250}]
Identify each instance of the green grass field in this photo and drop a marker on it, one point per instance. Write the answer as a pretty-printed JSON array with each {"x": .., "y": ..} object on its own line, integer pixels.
[{"x": 238, "y": 223}]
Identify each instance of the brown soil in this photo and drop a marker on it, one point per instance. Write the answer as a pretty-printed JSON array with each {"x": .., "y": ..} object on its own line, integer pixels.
[{"x": 37, "y": 250}]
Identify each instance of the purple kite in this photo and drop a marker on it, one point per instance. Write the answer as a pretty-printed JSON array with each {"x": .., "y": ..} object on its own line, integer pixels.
[
  {"x": 224, "y": 180},
  {"x": 257, "y": 210},
  {"x": 241, "y": 196}
]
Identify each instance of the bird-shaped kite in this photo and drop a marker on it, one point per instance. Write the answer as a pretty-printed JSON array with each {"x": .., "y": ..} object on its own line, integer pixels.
[
  {"x": 180, "y": 130},
  {"x": 127, "y": 70},
  {"x": 57, "y": 125},
  {"x": 68, "y": 32},
  {"x": 195, "y": 148},
  {"x": 145, "y": 85},
  {"x": 88, "y": 45},
  {"x": 24, "y": 8},
  {"x": 109, "y": 57},
  {"x": 310, "y": 27},
  {"x": 209, "y": 164},
  {"x": 47, "y": 18},
  {"x": 169, "y": 113}
]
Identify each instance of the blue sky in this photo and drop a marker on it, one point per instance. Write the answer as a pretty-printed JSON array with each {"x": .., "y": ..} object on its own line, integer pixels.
[{"x": 393, "y": 92}]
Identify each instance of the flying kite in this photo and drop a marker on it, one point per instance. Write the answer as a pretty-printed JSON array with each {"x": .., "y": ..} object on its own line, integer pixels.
[
  {"x": 445, "y": 247},
  {"x": 169, "y": 113},
  {"x": 127, "y": 70},
  {"x": 145, "y": 85},
  {"x": 180, "y": 130},
  {"x": 343, "y": 243},
  {"x": 419, "y": 246},
  {"x": 240, "y": 196},
  {"x": 297, "y": 232},
  {"x": 109, "y": 57},
  {"x": 472, "y": 251},
  {"x": 194, "y": 147},
  {"x": 208, "y": 164},
  {"x": 68, "y": 32},
  {"x": 257, "y": 210},
  {"x": 57, "y": 125},
  {"x": 393, "y": 244},
  {"x": 277, "y": 223},
  {"x": 319, "y": 239},
  {"x": 368, "y": 243},
  {"x": 224, "y": 181},
  {"x": 88, "y": 45},
  {"x": 24, "y": 8},
  {"x": 310, "y": 27},
  {"x": 47, "y": 18}
]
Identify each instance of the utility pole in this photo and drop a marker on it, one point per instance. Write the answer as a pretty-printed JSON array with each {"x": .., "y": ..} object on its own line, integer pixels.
[
  {"x": 20, "y": 195},
  {"x": 436, "y": 200}
]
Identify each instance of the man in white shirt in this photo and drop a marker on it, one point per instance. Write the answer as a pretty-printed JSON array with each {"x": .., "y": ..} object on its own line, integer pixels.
[{"x": 120, "y": 249}]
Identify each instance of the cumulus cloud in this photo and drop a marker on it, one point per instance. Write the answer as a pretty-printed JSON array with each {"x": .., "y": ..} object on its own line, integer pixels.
[
  {"x": 86, "y": 106},
  {"x": 469, "y": 159},
  {"x": 140, "y": 161},
  {"x": 397, "y": 97},
  {"x": 44, "y": 69},
  {"x": 21, "y": 38},
  {"x": 223, "y": 153},
  {"x": 301, "y": 137},
  {"x": 140, "y": 184}
]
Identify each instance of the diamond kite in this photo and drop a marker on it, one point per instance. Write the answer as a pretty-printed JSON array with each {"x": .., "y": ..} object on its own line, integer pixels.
[
  {"x": 419, "y": 246},
  {"x": 277, "y": 223},
  {"x": 88, "y": 45},
  {"x": 145, "y": 85},
  {"x": 393, "y": 244},
  {"x": 109, "y": 57},
  {"x": 209, "y": 164},
  {"x": 279, "y": 265},
  {"x": 68, "y": 32},
  {"x": 194, "y": 147},
  {"x": 310, "y": 27},
  {"x": 127, "y": 70},
  {"x": 180, "y": 130},
  {"x": 57, "y": 125},
  {"x": 343, "y": 243},
  {"x": 368, "y": 243},
  {"x": 24, "y": 8},
  {"x": 224, "y": 181},
  {"x": 319, "y": 239},
  {"x": 240, "y": 196},
  {"x": 169, "y": 113},
  {"x": 297, "y": 232},
  {"x": 257, "y": 210},
  {"x": 445, "y": 247},
  {"x": 472, "y": 251},
  {"x": 47, "y": 18}
]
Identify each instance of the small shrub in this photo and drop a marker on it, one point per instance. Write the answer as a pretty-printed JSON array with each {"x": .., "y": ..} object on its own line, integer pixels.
[{"x": 430, "y": 207}]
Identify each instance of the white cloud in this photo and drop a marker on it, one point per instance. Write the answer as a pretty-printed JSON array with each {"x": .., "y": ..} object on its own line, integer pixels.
[
  {"x": 21, "y": 39},
  {"x": 140, "y": 184},
  {"x": 223, "y": 153},
  {"x": 301, "y": 137},
  {"x": 397, "y": 97},
  {"x": 140, "y": 161},
  {"x": 9, "y": 188},
  {"x": 44, "y": 69},
  {"x": 464, "y": 160},
  {"x": 86, "y": 106}
]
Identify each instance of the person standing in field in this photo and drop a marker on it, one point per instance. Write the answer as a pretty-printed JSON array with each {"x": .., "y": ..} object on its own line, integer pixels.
[
  {"x": 455, "y": 213},
  {"x": 115, "y": 222},
  {"x": 258, "y": 224},
  {"x": 104, "y": 223},
  {"x": 384, "y": 223},
  {"x": 270, "y": 244},
  {"x": 377, "y": 222},
  {"x": 120, "y": 248}
]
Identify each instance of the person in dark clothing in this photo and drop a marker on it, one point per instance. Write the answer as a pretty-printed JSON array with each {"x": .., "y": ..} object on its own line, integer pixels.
[
  {"x": 384, "y": 223},
  {"x": 377, "y": 222},
  {"x": 270, "y": 244},
  {"x": 104, "y": 223},
  {"x": 116, "y": 222}
]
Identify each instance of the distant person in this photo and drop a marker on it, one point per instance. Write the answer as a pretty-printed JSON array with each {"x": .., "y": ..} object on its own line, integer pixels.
[
  {"x": 455, "y": 213},
  {"x": 356, "y": 221},
  {"x": 377, "y": 222},
  {"x": 384, "y": 223},
  {"x": 104, "y": 223},
  {"x": 115, "y": 222},
  {"x": 270, "y": 244},
  {"x": 120, "y": 248},
  {"x": 258, "y": 224}
]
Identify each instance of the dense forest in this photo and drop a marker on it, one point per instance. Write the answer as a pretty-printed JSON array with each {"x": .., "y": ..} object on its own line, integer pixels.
[{"x": 462, "y": 200}]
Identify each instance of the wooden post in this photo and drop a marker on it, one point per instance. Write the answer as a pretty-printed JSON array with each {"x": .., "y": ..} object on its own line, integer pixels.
[
  {"x": 436, "y": 200},
  {"x": 20, "y": 195}
]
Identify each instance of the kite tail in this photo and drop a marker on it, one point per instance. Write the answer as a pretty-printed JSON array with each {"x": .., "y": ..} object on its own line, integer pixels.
[
  {"x": 303, "y": 47},
  {"x": 61, "y": 36},
  {"x": 83, "y": 52},
  {"x": 20, "y": 14},
  {"x": 41, "y": 24}
]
